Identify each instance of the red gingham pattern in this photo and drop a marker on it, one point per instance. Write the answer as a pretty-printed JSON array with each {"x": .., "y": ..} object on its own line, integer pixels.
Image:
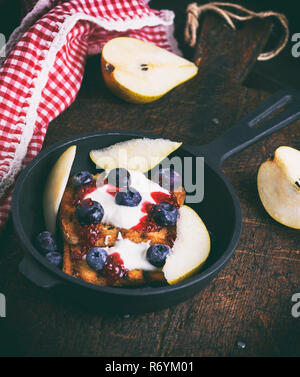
[{"x": 31, "y": 90}]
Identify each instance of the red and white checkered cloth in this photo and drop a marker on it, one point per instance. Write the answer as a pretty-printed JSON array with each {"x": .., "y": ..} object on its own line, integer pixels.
[{"x": 43, "y": 71}]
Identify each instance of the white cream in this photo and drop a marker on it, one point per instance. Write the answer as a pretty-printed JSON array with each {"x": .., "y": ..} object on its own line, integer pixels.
[
  {"x": 133, "y": 254},
  {"x": 107, "y": 238},
  {"x": 123, "y": 216}
]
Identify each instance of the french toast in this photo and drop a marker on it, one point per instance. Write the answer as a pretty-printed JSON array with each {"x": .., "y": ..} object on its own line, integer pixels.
[{"x": 78, "y": 239}]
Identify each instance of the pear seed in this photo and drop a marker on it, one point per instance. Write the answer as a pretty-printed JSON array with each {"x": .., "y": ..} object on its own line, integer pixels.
[
  {"x": 109, "y": 68},
  {"x": 144, "y": 67}
]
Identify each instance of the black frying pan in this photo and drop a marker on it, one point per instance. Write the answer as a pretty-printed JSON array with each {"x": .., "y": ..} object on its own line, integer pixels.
[{"x": 220, "y": 209}]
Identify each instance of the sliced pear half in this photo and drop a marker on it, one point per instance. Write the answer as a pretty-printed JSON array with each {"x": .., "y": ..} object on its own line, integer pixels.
[
  {"x": 141, "y": 72},
  {"x": 136, "y": 154},
  {"x": 55, "y": 187},
  {"x": 278, "y": 183},
  {"x": 191, "y": 247}
]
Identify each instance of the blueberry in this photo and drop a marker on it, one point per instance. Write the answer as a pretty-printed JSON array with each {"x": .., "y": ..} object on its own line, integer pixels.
[
  {"x": 89, "y": 212},
  {"x": 119, "y": 177},
  {"x": 96, "y": 258},
  {"x": 168, "y": 178},
  {"x": 164, "y": 214},
  {"x": 46, "y": 242},
  {"x": 129, "y": 198},
  {"x": 82, "y": 178},
  {"x": 54, "y": 258},
  {"x": 157, "y": 254}
]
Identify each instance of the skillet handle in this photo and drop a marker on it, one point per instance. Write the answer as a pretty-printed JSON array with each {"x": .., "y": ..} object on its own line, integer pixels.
[{"x": 263, "y": 121}]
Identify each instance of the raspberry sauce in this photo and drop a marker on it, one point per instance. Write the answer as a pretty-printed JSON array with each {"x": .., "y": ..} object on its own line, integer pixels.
[
  {"x": 112, "y": 190},
  {"x": 89, "y": 236},
  {"x": 114, "y": 268},
  {"x": 161, "y": 197},
  {"x": 83, "y": 191},
  {"x": 147, "y": 223}
]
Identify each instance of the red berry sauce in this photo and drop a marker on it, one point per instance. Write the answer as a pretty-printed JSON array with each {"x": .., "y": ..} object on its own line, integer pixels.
[
  {"x": 83, "y": 191},
  {"x": 161, "y": 197},
  {"x": 114, "y": 268},
  {"x": 89, "y": 236},
  {"x": 147, "y": 223},
  {"x": 112, "y": 190}
]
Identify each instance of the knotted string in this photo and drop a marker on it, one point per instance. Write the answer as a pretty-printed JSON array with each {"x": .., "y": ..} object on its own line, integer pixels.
[{"x": 194, "y": 11}]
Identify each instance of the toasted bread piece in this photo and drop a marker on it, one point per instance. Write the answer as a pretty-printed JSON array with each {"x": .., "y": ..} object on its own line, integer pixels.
[
  {"x": 74, "y": 244},
  {"x": 79, "y": 268}
]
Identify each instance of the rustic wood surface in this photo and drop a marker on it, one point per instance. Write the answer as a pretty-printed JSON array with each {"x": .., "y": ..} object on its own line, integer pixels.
[{"x": 249, "y": 300}]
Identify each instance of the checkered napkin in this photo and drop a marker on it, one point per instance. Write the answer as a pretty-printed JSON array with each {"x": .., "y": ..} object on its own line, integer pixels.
[{"x": 44, "y": 68}]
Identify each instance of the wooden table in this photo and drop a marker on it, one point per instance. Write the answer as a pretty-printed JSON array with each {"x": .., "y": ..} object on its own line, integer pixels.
[{"x": 249, "y": 300}]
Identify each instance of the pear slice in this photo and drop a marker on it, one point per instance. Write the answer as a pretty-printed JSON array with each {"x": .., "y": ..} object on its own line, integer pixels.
[
  {"x": 278, "y": 183},
  {"x": 141, "y": 72},
  {"x": 191, "y": 247},
  {"x": 55, "y": 187},
  {"x": 136, "y": 154}
]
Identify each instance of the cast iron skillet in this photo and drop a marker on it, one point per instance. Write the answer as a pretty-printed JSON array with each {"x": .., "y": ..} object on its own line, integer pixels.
[{"x": 220, "y": 209}]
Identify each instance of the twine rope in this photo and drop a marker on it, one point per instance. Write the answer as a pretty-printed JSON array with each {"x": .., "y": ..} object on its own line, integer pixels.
[{"x": 194, "y": 11}]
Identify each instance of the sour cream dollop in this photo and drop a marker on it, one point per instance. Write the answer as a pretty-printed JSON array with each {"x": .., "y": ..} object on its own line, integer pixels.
[
  {"x": 123, "y": 216},
  {"x": 133, "y": 254}
]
